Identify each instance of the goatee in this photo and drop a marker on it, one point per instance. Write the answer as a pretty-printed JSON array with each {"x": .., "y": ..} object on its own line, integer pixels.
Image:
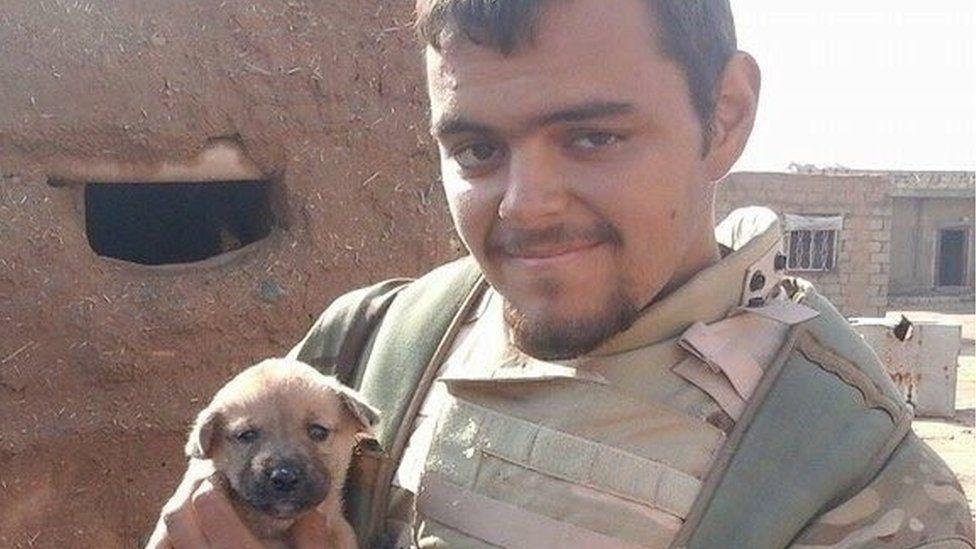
[{"x": 546, "y": 339}]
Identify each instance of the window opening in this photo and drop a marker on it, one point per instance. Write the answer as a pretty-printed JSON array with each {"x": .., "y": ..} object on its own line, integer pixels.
[
  {"x": 811, "y": 241},
  {"x": 952, "y": 257},
  {"x": 811, "y": 250},
  {"x": 173, "y": 223}
]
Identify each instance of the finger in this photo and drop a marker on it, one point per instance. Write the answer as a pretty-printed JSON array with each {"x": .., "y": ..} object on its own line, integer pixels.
[
  {"x": 177, "y": 512},
  {"x": 197, "y": 471},
  {"x": 220, "y": 524},
  {"x": 183, "y": 530},
  {"x": 159, "y": 538}
]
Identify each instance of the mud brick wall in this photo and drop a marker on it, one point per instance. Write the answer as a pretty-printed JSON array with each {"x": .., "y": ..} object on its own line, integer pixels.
[
  {"x": 103, "y": 363},
  {"x": 858, "y": 283}
]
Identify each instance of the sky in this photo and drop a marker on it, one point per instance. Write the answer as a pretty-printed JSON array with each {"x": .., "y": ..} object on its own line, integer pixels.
[{"x": 864, "y": 84}]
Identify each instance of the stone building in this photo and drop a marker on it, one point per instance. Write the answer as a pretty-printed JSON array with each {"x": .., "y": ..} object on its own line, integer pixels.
[
  {"x": 932, "y": 237},
  {"x": 870, "y": 241}
]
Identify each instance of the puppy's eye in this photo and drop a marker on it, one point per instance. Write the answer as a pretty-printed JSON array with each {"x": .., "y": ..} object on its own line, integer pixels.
[
  {"x": 317, "y": 432},
  {"x": 247, "y": 436}
]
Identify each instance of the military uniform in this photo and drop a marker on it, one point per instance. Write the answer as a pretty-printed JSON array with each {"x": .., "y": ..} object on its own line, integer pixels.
[{"x": 738, "y": 411}]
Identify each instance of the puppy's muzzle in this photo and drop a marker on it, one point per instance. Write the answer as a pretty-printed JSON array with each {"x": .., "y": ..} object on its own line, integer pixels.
[
  {"x": 283, "y": 486},
  {"x": 284, "y": 479}
]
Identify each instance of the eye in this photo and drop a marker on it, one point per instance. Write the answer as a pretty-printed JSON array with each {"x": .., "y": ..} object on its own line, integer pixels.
[
  {"x": 247, "y": 436},
  {"x": 477, "y": 156},
  {"x": 317, "y": 433},
  {"x": 591, "y": 141}
]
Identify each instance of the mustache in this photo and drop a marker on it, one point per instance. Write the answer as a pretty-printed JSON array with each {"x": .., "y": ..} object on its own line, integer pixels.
[{"x": 516, "y": 241}]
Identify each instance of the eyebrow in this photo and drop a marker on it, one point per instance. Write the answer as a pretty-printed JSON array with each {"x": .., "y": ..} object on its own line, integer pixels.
[{"x": 451, "y": 125}]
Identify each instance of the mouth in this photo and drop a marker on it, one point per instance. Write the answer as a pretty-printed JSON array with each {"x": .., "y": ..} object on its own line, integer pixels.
[
  {"x": 287, "y": 509},
  {"x": 281, "y": 508},
  {"x": 280, "y": 505},
  {"x": 551, "y": 256}
]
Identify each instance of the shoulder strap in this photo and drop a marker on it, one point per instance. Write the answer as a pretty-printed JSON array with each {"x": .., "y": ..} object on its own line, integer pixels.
[
  {"x": 821, "y": 424},
  {"x": 414, "y": 327},
  {"x": 365, "y": 320},
  {"x": 337, "y": 338},
  {"x": 380, "y": 339},
  {"x": 386, "y": 341}
]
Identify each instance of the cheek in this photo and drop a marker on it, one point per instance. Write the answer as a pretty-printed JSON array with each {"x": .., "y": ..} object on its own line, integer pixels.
[
  {"x": 473, "y": 208},
  {"x": 650, "y": 208},
  {"x": 234, "y": 465},
  {"x": 332, "y": 457}
]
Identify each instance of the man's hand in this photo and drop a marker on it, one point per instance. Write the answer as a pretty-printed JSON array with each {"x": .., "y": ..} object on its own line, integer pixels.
[{"x": 199, "y": 515}]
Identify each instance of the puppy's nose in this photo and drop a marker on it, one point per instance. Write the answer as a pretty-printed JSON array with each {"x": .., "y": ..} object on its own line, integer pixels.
[{"x": 283, "y": 479}]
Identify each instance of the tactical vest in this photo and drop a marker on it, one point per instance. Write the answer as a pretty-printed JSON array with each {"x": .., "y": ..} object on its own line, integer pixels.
[{"x": 822, "y": 421}]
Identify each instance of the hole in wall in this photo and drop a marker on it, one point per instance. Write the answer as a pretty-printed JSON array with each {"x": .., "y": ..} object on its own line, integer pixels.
[{"x": 176, "y": 223}]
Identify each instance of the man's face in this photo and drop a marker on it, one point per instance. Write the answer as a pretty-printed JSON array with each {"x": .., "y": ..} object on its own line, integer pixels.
[{"x": 573, "y": 170}]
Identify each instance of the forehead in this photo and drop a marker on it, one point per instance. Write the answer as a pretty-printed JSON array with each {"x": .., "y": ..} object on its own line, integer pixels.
[
  {"x": 583, "y": 51},
  {"x": 284, "y": 402}
]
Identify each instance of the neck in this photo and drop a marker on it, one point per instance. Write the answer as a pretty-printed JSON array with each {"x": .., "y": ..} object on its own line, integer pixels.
[{"x": 702, "y": 253}]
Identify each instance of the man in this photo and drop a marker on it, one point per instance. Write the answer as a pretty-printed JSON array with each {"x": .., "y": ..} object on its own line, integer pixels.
[{"x": 632, "y": 376}]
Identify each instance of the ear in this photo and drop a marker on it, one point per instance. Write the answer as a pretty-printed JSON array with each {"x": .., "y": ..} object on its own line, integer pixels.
[
  {"x": 736, "y": 100},
  {"x": 365, "y": 414},
  {"x": 201, "y": 437}
]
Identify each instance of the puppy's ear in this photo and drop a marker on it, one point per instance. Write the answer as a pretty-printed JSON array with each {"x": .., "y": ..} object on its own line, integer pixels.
[
  {"x": 365, "y": 414},
  {"x": 201, "y": 437}
]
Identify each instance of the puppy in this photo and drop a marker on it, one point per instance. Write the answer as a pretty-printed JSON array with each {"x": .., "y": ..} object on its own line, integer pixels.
[{"x": 280, "y": 436}]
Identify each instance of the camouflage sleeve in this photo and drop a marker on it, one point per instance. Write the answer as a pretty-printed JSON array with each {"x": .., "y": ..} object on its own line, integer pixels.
[
  {"x": 914, "y": 502},
  {"x": 321, "y": 344}
]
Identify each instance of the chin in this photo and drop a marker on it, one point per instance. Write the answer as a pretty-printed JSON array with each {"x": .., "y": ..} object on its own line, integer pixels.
[{"x": 550, "y": 334}]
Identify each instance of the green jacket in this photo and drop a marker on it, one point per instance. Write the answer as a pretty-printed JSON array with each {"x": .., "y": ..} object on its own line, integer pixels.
[{"x": 823, "y": 455}]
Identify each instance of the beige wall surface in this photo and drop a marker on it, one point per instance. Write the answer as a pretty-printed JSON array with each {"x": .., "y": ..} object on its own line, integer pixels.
[
  {"x": 916, "y": 223},
  {"x": 858, "y": 283}
]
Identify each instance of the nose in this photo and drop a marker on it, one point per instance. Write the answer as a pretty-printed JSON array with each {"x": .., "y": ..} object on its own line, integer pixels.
[
  {"x": 284, "y": 479},
  {"x": 535, "y": 190}
]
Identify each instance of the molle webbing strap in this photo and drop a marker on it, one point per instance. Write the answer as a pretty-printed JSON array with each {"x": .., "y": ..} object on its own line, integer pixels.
[
  {"x": 804, "y": 442},
  {"x": 505, "y": 525},
  {"x": 397, "y": 373}
]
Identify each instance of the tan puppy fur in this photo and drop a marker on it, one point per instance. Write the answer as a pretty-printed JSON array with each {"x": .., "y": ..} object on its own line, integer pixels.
[{"x": 281, "y": 435}]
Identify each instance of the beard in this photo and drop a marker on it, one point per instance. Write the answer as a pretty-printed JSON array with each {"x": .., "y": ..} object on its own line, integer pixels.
[
  {"x": 546, "y": 339},
  {"x": 543, "y": 337}
]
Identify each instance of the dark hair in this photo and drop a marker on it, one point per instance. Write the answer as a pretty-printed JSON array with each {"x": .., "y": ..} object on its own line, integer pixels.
[{"x": 698, "y": 34}]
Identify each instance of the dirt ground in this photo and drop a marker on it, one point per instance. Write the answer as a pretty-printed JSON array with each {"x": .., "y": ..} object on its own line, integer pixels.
[{"x": 954, "y": 439}]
